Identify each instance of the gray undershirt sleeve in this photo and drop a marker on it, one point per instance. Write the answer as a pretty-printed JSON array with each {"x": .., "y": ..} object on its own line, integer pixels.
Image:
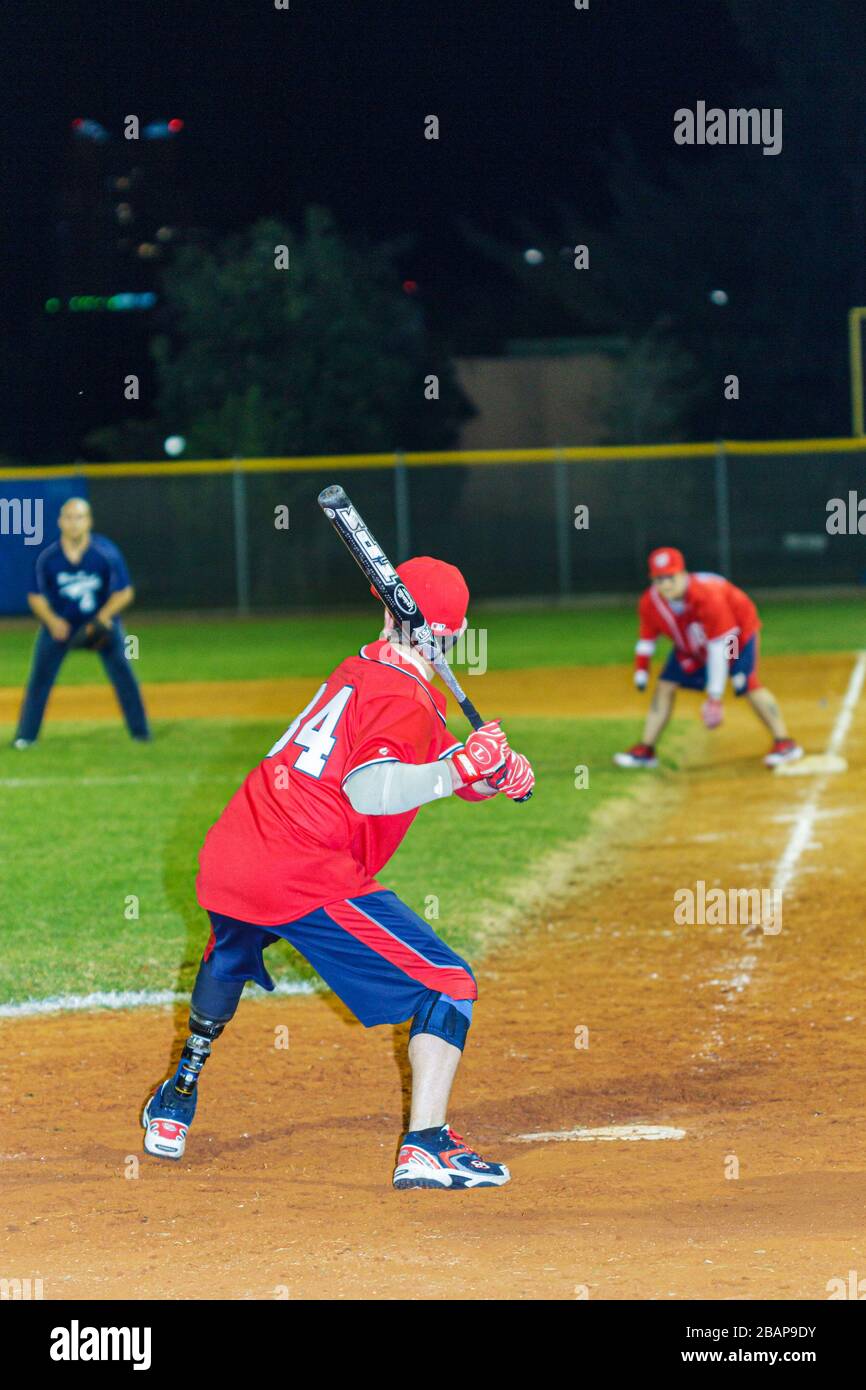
[
  {"x": 717, "y": 668},
  {"x": 388, "y": 789}
]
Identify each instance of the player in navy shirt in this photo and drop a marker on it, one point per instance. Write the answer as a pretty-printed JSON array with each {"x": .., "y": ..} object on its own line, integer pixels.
[{"x": 79, "y": 578}]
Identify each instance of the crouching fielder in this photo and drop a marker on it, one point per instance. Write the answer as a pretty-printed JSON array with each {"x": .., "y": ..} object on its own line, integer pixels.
[
  {"x": 294, "y": 856},
  {"x": 714, "y": 627}
]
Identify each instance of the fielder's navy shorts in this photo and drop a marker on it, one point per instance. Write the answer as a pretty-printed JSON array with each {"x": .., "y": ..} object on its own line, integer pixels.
[
  {"x": 375, "y": 953},
  {"x": 741, "y": 671}
]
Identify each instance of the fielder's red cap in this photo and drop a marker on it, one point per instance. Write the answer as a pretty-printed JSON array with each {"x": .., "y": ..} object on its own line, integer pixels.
[
  {"x": 666, "y": 560},
  {"x": 439, "y": 590}
]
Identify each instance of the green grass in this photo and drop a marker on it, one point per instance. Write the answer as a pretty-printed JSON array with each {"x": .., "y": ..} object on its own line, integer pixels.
[
  {"x": 91, "y": 820},
  {"x": 77, "y": 843},
  {"x": 233, "y": 649}
]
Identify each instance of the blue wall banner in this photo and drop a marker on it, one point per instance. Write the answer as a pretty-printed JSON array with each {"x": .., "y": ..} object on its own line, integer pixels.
[{"x": 29, "y": 509}]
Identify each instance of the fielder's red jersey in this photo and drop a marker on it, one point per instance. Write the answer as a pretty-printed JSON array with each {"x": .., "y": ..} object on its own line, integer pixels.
[
  {"x": 289, "y": 841},
  {"x": 711, "y": 607}
]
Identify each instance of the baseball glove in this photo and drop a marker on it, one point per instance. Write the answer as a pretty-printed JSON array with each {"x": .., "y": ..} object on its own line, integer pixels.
[{"x": 93, "y": 636}]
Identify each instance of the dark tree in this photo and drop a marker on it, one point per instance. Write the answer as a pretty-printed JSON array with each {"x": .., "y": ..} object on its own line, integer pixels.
[{"x": 324, "y": 355}]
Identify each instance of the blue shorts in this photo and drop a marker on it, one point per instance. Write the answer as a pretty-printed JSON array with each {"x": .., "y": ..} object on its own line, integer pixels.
[
  {"x": 742, "y": 671},
  {"x": 377, "y": 955}
]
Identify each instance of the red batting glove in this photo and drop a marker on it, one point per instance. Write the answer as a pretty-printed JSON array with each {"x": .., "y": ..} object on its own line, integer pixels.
[
  {"x": 519, "y": 778},
  {"x": 711, "y": 712},
  {"x": 483, "y": 754}
]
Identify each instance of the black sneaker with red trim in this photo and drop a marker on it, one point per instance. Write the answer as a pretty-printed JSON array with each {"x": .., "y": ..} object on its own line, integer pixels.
[{"x": 440, "y": 1158}]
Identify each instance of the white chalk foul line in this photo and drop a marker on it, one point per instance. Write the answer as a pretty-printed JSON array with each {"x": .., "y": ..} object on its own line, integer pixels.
[
  {"x": 804, "y": 824},
  {"x": 117, "y": 780},
  {"x": 800, "y": 837},
  {"x": 130, "y": 999}
]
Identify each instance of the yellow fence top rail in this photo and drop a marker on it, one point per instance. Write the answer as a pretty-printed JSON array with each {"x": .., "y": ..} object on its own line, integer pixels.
[{"x": 338, "y": 463}]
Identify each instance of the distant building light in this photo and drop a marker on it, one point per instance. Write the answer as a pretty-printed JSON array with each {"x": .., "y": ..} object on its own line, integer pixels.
[
  {"x": 122, "y": 183},
  {"x": 89, "y": 303},
  {"x": 148, "y": 250},
  {"x": 174, "y": 445},
  {"x": 86, "y": 129},
  {"x": 410, "y": 286},
  {"x": 162, "y": 130},
  {"x": 719, "y": 298},
  {"x": 165, "y": 234},
  {"x": 123, "y": 212},
  {"x": 132, "y": 301},
  {"x": 533, "y": 256}
]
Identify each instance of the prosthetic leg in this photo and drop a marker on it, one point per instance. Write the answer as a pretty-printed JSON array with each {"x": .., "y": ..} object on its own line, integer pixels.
[{"x": 170, "y": 1110}]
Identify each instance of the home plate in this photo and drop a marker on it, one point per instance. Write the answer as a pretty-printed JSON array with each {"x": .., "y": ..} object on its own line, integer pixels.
[
  {"x": 608, "y": 1132},
  {"x": 811, "y": 765}
]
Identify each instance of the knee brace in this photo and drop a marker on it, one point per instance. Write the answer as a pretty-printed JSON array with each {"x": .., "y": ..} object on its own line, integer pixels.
[{"x": 445, "y": 1018}]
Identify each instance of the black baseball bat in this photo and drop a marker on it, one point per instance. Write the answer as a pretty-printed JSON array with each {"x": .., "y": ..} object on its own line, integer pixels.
[{"x": 371, "y": 559}]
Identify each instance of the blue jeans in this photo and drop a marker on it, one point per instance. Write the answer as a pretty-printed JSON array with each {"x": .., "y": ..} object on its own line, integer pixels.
[{"x": 48, "y": 658}]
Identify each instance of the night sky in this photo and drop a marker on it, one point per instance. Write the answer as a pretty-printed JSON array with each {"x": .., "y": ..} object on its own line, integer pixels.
[{"x": 325, "y": 103}]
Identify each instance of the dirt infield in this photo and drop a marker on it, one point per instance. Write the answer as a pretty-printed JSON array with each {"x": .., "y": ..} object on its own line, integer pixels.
[
  {"x": 751, "y": 1043},
  {"x": 553, "y": 692}
]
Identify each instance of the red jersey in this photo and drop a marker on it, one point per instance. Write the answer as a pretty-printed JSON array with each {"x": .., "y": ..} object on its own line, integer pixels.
[
  {"x": 711, "y": 607},
  {"x": 290, "y": 841}
]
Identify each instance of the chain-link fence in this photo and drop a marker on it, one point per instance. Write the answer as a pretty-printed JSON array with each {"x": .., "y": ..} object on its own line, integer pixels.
[{"x": 575, "y": 521}]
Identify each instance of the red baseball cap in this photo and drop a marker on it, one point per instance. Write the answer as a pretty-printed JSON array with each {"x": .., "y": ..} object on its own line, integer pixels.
[
  {"x": 439, "y": 590},
  {"x": 666, "y": 560}
]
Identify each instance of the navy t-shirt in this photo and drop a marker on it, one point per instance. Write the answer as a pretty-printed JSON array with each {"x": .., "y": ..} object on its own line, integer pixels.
[{"x": 77, "y": 592}]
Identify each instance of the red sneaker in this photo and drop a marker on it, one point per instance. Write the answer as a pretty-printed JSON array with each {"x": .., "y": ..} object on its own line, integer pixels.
[
  {"x": 641, "y": 755},
  {"x": 784, "y": 750}
]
